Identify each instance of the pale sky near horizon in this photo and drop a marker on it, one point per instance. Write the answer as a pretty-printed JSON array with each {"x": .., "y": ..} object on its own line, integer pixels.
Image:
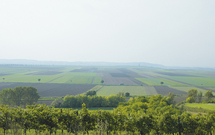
[{"x": 167, "y": 32}]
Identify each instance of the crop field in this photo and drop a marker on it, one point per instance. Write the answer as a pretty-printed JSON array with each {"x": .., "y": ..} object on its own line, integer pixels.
[
  {"x": 113, "y": 90},
  {"x": 32, "y": 78},
  {"x": 52, "y": 89},
  {"x": 97, "y": 80},
  {"x": 164, "y": 90},
  {"x": 186, "y": 89},
  {"x": 202, "y": 105},
  {"x": 150, "y": 90},
  {"x": 136, "y": 80},
  {"x": 81, "y": 80},
  {"x": 148, "y": 81},
  {"x": 109, "y": 80}
]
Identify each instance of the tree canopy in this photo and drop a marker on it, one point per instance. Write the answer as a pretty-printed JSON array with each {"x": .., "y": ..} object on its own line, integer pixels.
[{"x": 19, "y": 96}]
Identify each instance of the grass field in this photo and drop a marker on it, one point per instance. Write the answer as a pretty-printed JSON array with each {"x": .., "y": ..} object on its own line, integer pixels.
[
  {"x": 198, "y": 81},
  {"x": 204, "y": 106},
  {"x": 113, "y": 90},
  {"x": 97, "y": 80},
  {"x": 62, "y": 79},
  {"x": 150, "y": 90},
  {"x": 147, "y": 81},
  {"x": 189, "y": 88},
  {"x": 81, "y": 80},
  {"x": 32, "y": 78},
  {"x": 157, "y": 81}
]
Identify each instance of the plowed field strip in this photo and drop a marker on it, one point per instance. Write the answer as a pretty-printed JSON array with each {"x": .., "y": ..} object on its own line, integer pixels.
[
  {"x": 109, "y": 80},
  {"x": 164, "y": 90},
  {"x": 53, "y": 89},
  {"x": 138, "y": 82}
]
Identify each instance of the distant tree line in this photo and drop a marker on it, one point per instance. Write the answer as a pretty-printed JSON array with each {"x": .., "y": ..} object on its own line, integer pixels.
[
  {"x": 90, "y": 101},
  {"x": 194, "y": 96},
  {"x": 19, "y": 96}
]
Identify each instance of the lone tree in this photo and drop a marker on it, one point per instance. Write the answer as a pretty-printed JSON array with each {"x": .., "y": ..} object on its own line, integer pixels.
[
  {"x": 209, "y": 94},
  {"x": 102, "y": 81},
  {"x": 191, "y": 94},
  {"x": 162, "y": 83},
  {"x": 39, "y": 80},
  {"x": 3, "y": 78},
  {"x": 127, "y": 94},
  {"x": 91, "y": 93}
]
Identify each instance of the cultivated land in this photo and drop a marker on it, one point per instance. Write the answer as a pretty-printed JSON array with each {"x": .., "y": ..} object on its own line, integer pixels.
[
  {"x": 201, "y": 105},
  {"x": 58, "y": 81}
]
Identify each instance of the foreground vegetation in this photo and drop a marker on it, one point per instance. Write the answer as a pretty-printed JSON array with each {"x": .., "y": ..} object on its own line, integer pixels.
[{"x": 140, "y": 115}]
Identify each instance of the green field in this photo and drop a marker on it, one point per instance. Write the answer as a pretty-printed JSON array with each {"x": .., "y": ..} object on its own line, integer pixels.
[
  {"x": 97, "y": 80},
  {"x": 198, "y": 81},
  {"x": 201, "y": 105},
  {"x": 147, "y": 81},
  {"x": 113, "y": 90},
  {"x": 33, "y": 78},
  {"x": 135, "y": 80},
  {"x": 189, "y": 88},
  {"x": 157, "y": 81}
]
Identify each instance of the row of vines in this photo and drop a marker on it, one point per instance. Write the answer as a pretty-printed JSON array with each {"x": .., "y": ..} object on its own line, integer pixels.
[{"x": 141, "y": 115}]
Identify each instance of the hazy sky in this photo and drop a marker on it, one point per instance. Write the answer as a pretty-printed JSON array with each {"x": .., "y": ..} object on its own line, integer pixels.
[{"x": 168, "y": 32}]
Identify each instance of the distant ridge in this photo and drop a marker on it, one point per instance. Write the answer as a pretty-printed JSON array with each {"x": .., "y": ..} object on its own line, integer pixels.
[{"x": 35, "y": 62}]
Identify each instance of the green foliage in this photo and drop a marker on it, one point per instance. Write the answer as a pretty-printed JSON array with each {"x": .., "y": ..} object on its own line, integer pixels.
[
  {"x": 190, "y": 100},
  {"x": 209, "y": 94},
  {"x": 57, "y": 102},
  {"x": 92, "y": 101},
  {"x": 91, "y": 93},
  {"x": 191, "y": 94},
  {"x": 170, "y": 98},
  {"x": 127, "y": 94},
  {"x": 199, "y": 95},
  {"x": 19, "y": 96},
  {"x": 121, "y": 94},
  {"x": 141, "y": 115}
]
